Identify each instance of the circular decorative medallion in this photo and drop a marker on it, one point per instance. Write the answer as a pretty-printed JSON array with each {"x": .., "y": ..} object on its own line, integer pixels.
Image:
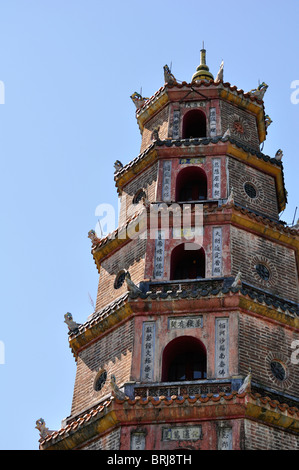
[
  {"x": 278, "y": 370},
  {"x": 262, "y": 271},
  {"x": 250, "y": 190},
  {"x": 240, "y": 127}
]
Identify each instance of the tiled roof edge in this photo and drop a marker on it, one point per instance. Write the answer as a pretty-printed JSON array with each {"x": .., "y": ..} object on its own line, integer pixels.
[
  {"x": 100, "y": 410},
  {"x": 197, "y": 141},
  {"x": 202, "y": 83}
]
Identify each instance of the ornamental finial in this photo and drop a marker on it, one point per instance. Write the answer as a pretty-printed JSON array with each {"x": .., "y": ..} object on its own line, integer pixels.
[{"x": 202, "y": 71}]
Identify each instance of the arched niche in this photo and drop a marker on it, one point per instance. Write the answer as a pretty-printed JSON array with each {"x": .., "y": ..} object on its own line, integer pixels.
[
  {"x": 191, "y": 185},
  {"x": 194, "y": 124},
  {"x": 187, "y": 262},
  {"x": 184, "y": 359}
]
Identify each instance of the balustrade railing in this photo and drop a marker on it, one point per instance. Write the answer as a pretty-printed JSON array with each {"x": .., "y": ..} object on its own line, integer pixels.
[
  {"x": 168, "y": 389},
  {"x": 188, "y": 285}
]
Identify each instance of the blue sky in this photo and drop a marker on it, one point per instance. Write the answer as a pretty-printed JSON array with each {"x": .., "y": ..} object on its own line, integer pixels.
[{"x": 69, "y": 68}]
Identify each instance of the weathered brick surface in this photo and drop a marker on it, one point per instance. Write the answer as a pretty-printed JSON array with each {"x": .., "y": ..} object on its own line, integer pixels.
[
  {"x": 261, "y": 437},
  {"x": 160, "y": 120},
  {"x": 131, "y": 257},
  {"x": 266, "y": 201},
  {"x": 147, "y": 181},
  {"x": 113, "y": 353},
  {"x": 247, "y": 250},
  {"x": 110, "y": 441},
  {"x": 231, "y": 114},
  {"x": 260, "y": 342}
]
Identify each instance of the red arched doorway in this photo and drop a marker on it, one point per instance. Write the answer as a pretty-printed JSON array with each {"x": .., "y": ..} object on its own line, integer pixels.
[
  {"x": 187, "y": 264},
  {"x": 194, "y": 124},
  {"x": 184, "y": 359},
  {"x": 191, "y": 185}
]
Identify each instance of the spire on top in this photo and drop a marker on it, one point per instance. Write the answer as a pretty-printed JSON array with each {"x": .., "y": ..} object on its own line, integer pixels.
[{"x": 202, "y": 71}]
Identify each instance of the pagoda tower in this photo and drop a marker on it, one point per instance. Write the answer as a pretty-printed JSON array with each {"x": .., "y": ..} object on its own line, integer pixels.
[{"x": 193, "y": 344}]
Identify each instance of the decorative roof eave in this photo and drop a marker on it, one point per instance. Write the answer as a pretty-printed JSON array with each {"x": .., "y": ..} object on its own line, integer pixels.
[
  {"x": 152, "y": 106},
  {"x": 130, "y": 304},
  {"x": 122, "y": 235},
  {"x": 151, "y": 154},
  {"x": 244, "y": 297},
  {"x": 136, "y": 166},
  {"x": 115, "y": 413},
  {"x": 271, "y": 412},
  {"x": 230, "y": 213},
  {"x": 219, "y": 140},
  {"x": 231, "y": 207},
  {"x": 238, "y": 215},
  {"x": 225, "y": 86},
  {"x": 257, "y": 306},
  {"x": 113, "y": 314}
]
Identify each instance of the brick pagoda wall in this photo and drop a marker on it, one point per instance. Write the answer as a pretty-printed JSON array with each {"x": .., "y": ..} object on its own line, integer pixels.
[
  {"x": 247, "y": 250},
  {"x": 160, "y": 120},
  {"x": 130, "y": 257},
  {"x": 260, "y": 342},
  {"x": 230, "y": 114},
  {"x": 113, "y": 353},
  {"x": 147, "y": 181},
  {"x": 262, "y": 437},
  {"x": 266, "y": 201}
]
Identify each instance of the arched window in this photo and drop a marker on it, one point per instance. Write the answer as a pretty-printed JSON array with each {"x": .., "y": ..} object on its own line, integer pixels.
[
  {"x": 191, "y": 185},
  {"x": 187, "y": 263},
  {"x": 184, "y": 358},
  {"x": 194, "y": 124}
]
